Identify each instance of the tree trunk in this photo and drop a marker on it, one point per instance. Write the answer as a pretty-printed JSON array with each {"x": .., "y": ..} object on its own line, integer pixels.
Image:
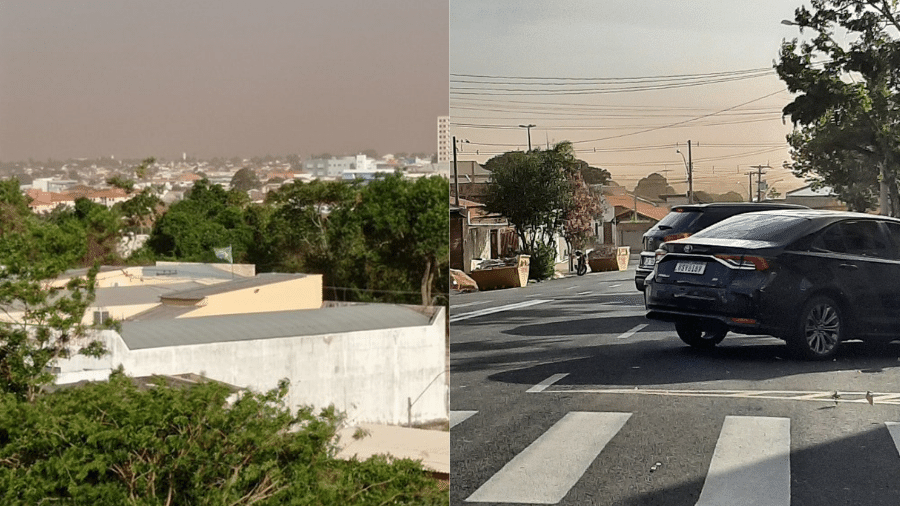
[{"x": 426, "y": 283}]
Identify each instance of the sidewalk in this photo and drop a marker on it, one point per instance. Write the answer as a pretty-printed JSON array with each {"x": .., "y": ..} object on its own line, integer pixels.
[
  {"x": 432, "y": 447},
  {"x": 562, "y": 268}
]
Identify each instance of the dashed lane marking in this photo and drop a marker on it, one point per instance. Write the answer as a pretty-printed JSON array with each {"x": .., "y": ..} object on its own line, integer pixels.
[
  {"x": 497, "y": 309},
  {"x": 633, "y": 331},
  {"x": 540, "y": 387},
  {"x": 458, "y": 417}
]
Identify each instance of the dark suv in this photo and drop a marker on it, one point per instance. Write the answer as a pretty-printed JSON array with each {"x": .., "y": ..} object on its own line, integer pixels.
[{"x": 684, "y": 221}]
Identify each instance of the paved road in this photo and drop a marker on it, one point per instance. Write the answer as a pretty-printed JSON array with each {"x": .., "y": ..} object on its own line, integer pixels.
[{"x": 563, "y": 393}]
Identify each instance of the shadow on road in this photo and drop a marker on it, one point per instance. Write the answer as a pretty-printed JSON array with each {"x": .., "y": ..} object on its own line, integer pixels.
[{"x": 646, "y": 362}]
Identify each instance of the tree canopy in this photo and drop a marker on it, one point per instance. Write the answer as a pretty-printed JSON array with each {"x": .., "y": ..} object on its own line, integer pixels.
[
  {"x": 536, "y": 191},
  {"x": 112, "y": 443},
  {"x": 846, "y": 103}
]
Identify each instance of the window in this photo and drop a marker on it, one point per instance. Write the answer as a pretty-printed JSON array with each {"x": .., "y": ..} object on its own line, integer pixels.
[{"x": 863, "y": 238}]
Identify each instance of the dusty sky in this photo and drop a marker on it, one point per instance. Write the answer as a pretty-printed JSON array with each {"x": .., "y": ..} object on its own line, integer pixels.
[
  {"x": 225, "y": 78},
  {"x": 629, "y": 83}
]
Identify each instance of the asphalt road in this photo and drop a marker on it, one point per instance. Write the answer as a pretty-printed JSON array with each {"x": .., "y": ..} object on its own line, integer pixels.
[{"x": 563, "y": 393}]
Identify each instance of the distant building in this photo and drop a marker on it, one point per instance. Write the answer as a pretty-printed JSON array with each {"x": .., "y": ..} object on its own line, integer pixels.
[
  {"x": 334, "y": 168},
  {"x": 443, "y": 139}
]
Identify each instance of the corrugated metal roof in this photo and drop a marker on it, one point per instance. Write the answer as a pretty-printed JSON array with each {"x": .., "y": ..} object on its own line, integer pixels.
[{"x": 308, "y": 322}]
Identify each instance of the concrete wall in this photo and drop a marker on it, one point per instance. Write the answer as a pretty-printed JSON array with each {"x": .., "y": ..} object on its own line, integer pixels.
[{"x": 371, "y": 375}]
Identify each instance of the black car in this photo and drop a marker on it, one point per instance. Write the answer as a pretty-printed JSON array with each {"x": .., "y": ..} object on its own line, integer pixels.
[
  {"x": 686, "y": 220},
  {"x": 812, "y": 278}
]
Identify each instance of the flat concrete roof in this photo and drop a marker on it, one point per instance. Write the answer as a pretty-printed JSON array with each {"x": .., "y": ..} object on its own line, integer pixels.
[{"x": 159, "y": 333}]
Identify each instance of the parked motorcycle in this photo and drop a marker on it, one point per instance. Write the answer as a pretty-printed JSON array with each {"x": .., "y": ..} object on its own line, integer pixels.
[{"x": 580, "y": 263}]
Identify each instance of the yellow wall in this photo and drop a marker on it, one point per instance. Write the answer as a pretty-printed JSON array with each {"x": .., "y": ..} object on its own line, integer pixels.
[{"x": 299, "y": 293}]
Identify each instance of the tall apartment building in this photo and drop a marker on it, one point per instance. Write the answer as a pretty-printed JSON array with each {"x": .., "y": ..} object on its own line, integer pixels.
[{"x": 444, "y": 149}]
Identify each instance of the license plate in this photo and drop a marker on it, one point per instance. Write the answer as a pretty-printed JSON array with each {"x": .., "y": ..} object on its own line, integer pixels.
[
  {"x": 690, "y": 267},
  {"x": 648, "y": 261}
]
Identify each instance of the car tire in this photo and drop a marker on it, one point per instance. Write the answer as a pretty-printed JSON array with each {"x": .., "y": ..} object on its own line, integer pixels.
[
  {"x": 703, "y": 337},
  {"x": 820, "y": 329}
]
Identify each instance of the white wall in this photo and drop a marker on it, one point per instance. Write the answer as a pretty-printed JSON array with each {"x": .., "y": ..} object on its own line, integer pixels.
[{"x": 369, "y": 375}]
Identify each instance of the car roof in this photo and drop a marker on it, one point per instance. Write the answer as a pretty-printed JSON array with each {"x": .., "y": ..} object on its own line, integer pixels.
[
  {"x": 737, "y": 205},
  {"x": 827, "y": 213}
]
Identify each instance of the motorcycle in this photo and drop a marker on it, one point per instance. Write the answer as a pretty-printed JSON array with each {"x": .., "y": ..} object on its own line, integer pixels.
[{"x": 580, "y": 263}]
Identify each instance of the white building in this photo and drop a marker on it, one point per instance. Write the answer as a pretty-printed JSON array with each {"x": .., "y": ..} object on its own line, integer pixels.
[
  {"x": 444, "y": 149},
  {"x": 334, "y": 168},
  {"x": 378, "y": 363}
]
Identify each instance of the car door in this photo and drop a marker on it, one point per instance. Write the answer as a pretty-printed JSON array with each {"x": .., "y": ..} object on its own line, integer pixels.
[
  {"x": 860, "y": 259},
  {"x": 890, "y": 283}
]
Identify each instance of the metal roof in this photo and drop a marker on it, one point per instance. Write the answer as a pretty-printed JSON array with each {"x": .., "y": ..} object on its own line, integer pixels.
[
  {"x": 229, "y": 286},
  {"x": 246, "y": 327}
]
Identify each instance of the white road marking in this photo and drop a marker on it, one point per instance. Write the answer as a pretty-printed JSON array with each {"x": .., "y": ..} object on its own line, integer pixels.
[
  {"x": 497, "y": 309},
  {"x": 540, "y": 387},
  {"x": 751, "y": 464},
  {"x": 616, "y": 285},
  {"x": 545, "y": 471},
  {"x": 633, "y": 331},
  {"x": 894, "y": 429},
  {"x": 584, "y": 293},
  {"x": 781, "y": 395},
  {"x": 458, "y": 417},
  {"x": 476, "y": 303}
]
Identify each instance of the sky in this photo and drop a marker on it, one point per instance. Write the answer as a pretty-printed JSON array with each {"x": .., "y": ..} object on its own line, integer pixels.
[
  {"x": 220, "y": 78},
  {"x": 629, "y": 84}
]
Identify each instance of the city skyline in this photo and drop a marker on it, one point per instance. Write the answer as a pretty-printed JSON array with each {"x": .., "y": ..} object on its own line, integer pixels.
[{"x": 221, "y": 79}]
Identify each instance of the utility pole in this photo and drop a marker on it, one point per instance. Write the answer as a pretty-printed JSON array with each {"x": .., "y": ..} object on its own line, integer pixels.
[
  {"x": 528, "y": 127},
  {"x": 455, "y": 174},
  {"x": 690, "y": 175},
  {"x": 750, "y": 188},
  {"x": 760, "y": 173}
]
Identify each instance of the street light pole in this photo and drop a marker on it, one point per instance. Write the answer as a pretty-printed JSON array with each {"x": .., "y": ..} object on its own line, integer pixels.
[
  {"x": 528, "y": 127},
  {"x": 455, "y": 174}
]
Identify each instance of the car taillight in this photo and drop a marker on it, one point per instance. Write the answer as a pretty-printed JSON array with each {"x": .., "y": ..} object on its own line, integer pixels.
[
  {"x": 750, "y": 263},
  {"x": 675, "y": 237}
]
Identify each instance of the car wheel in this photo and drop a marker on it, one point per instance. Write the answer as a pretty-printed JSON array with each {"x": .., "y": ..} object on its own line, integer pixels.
[
  {"x": 820, "y": 330},
  {"x": 699, "y": 336}
]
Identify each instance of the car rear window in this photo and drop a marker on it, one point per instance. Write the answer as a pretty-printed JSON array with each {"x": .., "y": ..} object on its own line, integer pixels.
[
  {"x": 679, "y": 220},
  {"x": 756, "y": 227}
]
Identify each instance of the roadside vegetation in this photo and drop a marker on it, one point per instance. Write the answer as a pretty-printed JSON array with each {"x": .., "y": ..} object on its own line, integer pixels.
[{"x": 114, "y": 443}]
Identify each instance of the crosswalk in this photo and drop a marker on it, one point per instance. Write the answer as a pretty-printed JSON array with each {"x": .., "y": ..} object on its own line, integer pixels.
[{"x": 750, "y": 464}]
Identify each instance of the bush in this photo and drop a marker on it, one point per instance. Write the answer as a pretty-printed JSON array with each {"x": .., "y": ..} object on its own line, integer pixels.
[
  {"x": 113, "y": 443},
  {"x": 543, "y": 262}
]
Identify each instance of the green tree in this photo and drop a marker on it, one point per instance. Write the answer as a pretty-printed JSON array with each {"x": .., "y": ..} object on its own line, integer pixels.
[
  {"x": 301, "y": 222},
  {"x": 208, "y": 217},
  {"x": 112, "y": 443},
  {"x": 406, "y": 226},
  {"x": 847, "y": 102},
  {"x": 245, "y": 179},
  {"x": 534, "y": 192},
  {"x": 141, "y": 210},
  {"x": 42, "y": 321}
]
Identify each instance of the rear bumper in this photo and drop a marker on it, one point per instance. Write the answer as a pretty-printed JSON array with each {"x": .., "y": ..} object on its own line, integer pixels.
[{"x": 742, "y": 311}]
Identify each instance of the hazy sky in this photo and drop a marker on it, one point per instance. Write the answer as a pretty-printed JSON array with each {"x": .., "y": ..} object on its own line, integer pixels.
[
  {"x": 628, "y": 82},
  {"x": 223, "y": 78}
]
